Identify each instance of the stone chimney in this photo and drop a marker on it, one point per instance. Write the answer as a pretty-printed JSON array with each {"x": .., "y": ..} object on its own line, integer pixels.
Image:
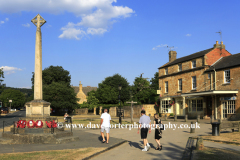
[
  {"x": 172, "y": 55},
  {"x": 217, "y": 45},
  {"x": 80, "y": 87}
]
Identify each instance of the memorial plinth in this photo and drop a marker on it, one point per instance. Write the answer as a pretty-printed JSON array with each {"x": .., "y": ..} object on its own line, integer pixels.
[{"x": 38, "y": 110}]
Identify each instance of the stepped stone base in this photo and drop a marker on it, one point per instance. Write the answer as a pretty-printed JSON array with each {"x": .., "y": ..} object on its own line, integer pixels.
[{"x": 44, "y": 138}]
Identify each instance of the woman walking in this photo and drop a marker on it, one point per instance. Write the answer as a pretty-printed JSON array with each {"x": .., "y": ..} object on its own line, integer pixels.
[{"x": 158, "y": 132}]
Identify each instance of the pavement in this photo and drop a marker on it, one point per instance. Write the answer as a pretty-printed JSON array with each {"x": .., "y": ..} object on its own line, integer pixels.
[{"x": 174, "y": 142}]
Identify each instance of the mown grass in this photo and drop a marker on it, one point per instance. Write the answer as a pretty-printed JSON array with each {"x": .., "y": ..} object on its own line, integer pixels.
[
  {"x": 53, "y": 155},
  {"x": 216, "y": 154}
]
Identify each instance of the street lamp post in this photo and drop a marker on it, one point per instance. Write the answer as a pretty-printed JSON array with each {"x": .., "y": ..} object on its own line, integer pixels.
[{"x": 120, "y": 114}]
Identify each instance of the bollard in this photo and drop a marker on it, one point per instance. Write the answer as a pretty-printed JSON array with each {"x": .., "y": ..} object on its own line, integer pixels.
[
  {"x": 198, "y": 118},
  {"x": 192, "y": 127},
  {"x": 165, "y": 117},
  {"x": 215, "y": 129},
  {"x": 211, "y": 119},
  {"x": 175, "y": 117},
  {"x": 186, "y": 118},
  {"x": 199, "y": 144}
]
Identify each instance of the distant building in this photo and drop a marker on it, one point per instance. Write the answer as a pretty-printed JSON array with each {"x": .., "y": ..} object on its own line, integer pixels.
[
  {"x": 205, "y": 83},
  {"x": 82, "y": 92}
]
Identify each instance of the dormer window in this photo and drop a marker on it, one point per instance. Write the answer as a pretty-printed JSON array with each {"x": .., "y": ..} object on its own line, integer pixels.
[
  {"x": 166, "y": 71},
  {"x": 194, "y": 64},
  {"x": 179, "y": 67}
]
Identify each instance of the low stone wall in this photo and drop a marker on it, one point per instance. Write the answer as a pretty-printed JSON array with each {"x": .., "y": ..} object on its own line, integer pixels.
[
  {"x": 113, "y": 111},
  {"x": 81, "y": 111},
  {"x": 149, "y": 108}
]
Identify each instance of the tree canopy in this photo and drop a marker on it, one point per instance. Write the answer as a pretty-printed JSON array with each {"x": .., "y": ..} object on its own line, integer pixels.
[
  {"x": 60, "y": 95},
  {"x": 141, "y": 90},
  {"x": 57, "y": 89},
  {"x": 54, "y": 74},
  {"x": 107, "y": 92},
  {"x": 17, "y": 97}
]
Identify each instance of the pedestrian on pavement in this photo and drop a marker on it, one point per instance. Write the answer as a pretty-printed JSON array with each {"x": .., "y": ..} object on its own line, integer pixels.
[
  {"x": 105, "y": 125},
  {"x": 158, "y": 131},
  {"x": 65, "y": 116},
  {"x": 144, "y": 124}
]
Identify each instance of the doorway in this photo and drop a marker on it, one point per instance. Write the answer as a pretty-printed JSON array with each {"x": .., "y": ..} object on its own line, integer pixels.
[{"x": 179, "y": 107}]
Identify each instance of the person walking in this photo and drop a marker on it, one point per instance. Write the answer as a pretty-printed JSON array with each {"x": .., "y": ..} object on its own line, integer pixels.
[
  {"x": 158, "y": 131},
  {"x": 105, "y": 125},
  {"x": 144, "y": 124}
]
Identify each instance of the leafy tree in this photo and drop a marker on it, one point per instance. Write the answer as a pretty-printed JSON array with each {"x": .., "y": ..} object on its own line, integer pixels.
[
  {"x": 54, "y": 74},
  {"x": 17, "y": 97},
  {"x": 92, "y": 101},
  {"x": 155, "y": 86},
  {"x": 141, "y": 90},
  {"x": 1, "y": 76},
  {"x": 107, "y": 92},
  {"x": 60, "y": 95},
  {"x": 155, "y": 82},
  {"x": 57, "y": 89}
]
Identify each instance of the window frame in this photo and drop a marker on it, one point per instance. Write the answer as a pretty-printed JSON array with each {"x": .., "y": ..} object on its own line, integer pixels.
[
  {"x": 166, "y": 71},
  {"x": 165, "y": 105},
  {"x": 225, "y": 78},
  {"x": 179, "y": 85},
  {"x": 194, "y": 88},
  {"x": 231, "y": 106},
  {"x": 198, "y": 104},
  {"x": 179, "y": 70},
  {"x": 166, "y": 87},
  {"x": 195, "y": 63},
  {"x": 209, "y": 75}
]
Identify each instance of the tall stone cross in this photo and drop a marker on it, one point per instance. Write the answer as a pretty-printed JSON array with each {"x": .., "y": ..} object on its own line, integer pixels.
[
  {"x": 38, "y": 108},
  {"x": 38, "y": 21},
  {"x": 131, "y": 110}
]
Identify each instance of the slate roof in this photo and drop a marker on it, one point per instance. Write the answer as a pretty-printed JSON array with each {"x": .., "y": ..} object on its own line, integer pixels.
[
  {"x": 187, "y": 58},
  {"x": 226, "y": 62},
  {"x": 85, "y": 89}
]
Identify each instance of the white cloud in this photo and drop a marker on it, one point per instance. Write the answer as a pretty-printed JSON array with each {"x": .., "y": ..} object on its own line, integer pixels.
[
  {"x": 93, "y": 31},
  {"x": 72, "y": 33},
  {"x": 159, "y": 46},
  {"x": 26, "y": 25},
  {"x": 10, "y": 70},
  {"x": 188, "y": 35},
  {"x": 96, "y": 16},
  {"x": 1, "y": 22},
  {"x": 6, "y": 19}
]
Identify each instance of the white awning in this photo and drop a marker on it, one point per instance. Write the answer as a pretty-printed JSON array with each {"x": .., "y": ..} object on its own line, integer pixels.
[{"x": 208, "y": 93}]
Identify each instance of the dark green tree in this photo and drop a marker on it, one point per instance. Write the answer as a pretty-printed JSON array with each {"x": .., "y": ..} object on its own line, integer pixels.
[
  {"x": 1, "y": 80},
  {"x": 54, "y": 74},
  {"x": 141, "y": 90},
  {"x": 92, "y": 101},
  {"x": 107, "y": 92},
  {"x": 60, "y": 95},
  {"x": 57, "y": 89},
  {"x": 155, "y": 82},
  {"x": 155, "y": 86},
  {"x": 17, "y": 97}
]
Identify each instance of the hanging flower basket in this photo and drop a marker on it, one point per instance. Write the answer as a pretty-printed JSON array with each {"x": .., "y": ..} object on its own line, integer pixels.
[{"x": 172, "y": 102}]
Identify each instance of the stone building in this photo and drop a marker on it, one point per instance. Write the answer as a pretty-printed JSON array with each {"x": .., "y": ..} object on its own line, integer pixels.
[
  {"x": 82, "y": 92},
  {"x": 205, "y": 83}
]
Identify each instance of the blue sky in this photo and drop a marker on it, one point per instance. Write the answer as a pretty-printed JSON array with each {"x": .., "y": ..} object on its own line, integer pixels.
[{"x": 94, "y": 39}]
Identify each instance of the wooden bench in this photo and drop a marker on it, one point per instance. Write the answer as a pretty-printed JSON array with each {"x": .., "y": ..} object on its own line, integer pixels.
[{"x": 230, "y": 125}]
